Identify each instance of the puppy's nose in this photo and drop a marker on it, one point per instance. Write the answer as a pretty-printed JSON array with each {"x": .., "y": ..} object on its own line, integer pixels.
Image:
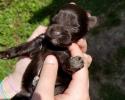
[{"x": 56, "y": 34}]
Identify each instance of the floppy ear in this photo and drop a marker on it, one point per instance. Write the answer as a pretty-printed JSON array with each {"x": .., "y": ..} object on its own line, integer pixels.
[{"x": 92, "y": 21}]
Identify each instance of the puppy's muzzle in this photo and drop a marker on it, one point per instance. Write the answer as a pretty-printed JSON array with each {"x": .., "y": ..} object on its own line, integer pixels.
[{"x": 59, "y": 35}]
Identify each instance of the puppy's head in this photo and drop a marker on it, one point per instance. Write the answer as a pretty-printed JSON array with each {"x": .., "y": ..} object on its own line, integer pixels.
[
  {"x": 68, "y": 25},
  {"x": 59, "y": 35}
]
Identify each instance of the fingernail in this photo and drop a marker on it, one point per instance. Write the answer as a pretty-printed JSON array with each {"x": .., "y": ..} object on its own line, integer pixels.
[{"x": 50, "y": 59}]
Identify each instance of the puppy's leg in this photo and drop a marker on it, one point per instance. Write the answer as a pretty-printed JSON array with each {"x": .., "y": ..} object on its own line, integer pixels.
[
  {"x": 62, "y": 81},
  {"x": 63, "y": 78},
  {"x": 74, "y": 64},
  {"x": 29, "y": 80},
  {"x": 26, "y": 49},
  {"x": 23, "y": 95}
]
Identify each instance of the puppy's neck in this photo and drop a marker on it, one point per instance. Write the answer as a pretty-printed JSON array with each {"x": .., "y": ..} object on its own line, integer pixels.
[{"x": 73, "y": 3}]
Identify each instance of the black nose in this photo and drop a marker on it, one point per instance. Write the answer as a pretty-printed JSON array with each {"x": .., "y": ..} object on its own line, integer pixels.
[{"x": 56, "y": 34}]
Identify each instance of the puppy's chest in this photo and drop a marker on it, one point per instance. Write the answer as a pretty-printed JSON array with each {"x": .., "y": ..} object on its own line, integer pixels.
[{"x": 61, "y": 55}]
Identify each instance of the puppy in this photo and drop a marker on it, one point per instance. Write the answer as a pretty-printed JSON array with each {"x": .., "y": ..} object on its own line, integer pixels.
[{"x": 70, "y": 24}]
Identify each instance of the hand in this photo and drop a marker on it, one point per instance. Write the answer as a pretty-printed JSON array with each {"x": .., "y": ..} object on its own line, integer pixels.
[
  {"x": 14, "y": 79},
  {"x": 12, "y": 83},
  {"x": 78, "y": 88},
  {"x": 22, "y": 64}
]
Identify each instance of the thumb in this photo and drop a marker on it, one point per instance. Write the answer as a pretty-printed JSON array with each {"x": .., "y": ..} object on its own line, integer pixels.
[{"x": 46, "y": 84}]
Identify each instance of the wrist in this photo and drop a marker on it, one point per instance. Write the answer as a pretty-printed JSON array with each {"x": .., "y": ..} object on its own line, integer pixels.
[{"x": 8, "y": 87}]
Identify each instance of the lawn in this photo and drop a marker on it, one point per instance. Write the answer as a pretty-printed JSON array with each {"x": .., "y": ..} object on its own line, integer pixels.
[{"x": 15, "y": 26}]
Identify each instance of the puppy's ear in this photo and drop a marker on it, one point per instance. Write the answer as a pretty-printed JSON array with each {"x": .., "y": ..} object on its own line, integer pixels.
[{"x": 92, "y": 21}]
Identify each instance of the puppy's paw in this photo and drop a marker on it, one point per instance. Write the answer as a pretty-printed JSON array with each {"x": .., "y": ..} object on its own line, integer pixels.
[{"x": 76, "y": 63}]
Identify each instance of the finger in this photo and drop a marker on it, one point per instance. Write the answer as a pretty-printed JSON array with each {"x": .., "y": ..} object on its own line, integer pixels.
[
  {"x": 39, "y": 30},
  {"x": 87, "y": 60},
  {"x": 82, "y": 44},
  {"x": 80, "y": 80},
  {"x": 21, "y": 66},
  {"x": 46, "y": 84},
  {"x": 79, "y": 84},
  {"x": 75, "y": 50}
]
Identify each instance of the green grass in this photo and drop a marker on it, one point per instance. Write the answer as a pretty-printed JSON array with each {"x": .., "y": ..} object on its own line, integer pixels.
[
  {"x": 14, "y": 25},
  {"x": 6, "y": 67}
]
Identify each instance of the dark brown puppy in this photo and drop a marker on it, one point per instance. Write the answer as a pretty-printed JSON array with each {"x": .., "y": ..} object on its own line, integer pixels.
[{"x": 69, "y": 25}]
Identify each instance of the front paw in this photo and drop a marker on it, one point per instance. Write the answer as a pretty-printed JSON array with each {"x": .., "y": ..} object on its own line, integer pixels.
[{"x": 75, "y": 63}]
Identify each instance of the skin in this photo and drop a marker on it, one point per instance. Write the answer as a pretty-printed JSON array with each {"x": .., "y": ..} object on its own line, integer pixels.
[{"x": 45, "y": 87}]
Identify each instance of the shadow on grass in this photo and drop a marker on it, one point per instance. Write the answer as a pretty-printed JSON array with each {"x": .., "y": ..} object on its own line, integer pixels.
[
  {"x": 49, "y": 10},
  {"x": 97, "y": 7}
]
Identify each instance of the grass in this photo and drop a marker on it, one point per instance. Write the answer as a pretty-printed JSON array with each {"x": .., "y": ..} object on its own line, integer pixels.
[{"x": 14, "y": 25}]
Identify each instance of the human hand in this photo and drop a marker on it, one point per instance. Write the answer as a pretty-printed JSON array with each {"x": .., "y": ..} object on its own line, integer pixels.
[
  {"x": 14, "y": 79},
  {"x": 78, "y": 88},
  {"x": 23, "y": 62},
  {"x": 12, "y": 83}
]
